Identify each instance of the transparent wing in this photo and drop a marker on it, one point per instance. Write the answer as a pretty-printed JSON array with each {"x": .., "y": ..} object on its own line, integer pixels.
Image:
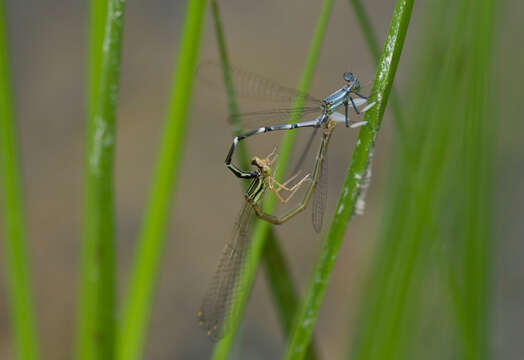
[
  {"x": 251, "y": 85},
  {"x": 224, "y": 286},
  {"x": 320, "y": 196},
  {"x": 305, "y": 152},
  {"x": 256, "y": 119}
]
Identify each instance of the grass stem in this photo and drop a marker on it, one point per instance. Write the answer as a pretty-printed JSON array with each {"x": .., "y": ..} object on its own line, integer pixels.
[
  {"x": 19, "y": 292},
  {"x": 97, "y": 313}
]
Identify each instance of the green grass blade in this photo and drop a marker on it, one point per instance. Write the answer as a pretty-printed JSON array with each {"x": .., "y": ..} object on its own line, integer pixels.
[
  {"x": 361, "y": 157},
  {"x": 477, "y": 182},
  {"x": 139, "y": 298},
  {"x": 97, "y": 21},
  {"x": 262, "y": 228},
  {"x": 277, "y": 271},
  {"x": 445, "y": 206},
  {"x": 373, "y": 47},
  {"x": 283, "y": 289},
  {"x": 96, "y": 322},
  {"x": 20, "y": 297},
  {"x": 86, "y": 300}
]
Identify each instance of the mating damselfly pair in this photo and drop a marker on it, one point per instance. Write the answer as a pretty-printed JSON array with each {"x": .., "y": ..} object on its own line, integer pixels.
[{"x": 225, "y": 286}]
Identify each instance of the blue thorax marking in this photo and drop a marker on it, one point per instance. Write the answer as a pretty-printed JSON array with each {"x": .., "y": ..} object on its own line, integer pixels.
[{"x": 337, "y": 98}]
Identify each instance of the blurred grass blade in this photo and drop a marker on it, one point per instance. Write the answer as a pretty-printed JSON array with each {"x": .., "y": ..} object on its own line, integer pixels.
[
  {"x": 277, "y": 272},
  {"x": 228, "y": 82},
  {"x": 96, "y": 322},
  {"x": 446, "y": 206},
  {"x": 367, "y": 28},
  {"x": 283, "y": 289},
  {"x": 361, "y": 157},
  {"x": 261, "y": 229},
  {"x": 20, "y": 297},
  {"x": 139, "y": 298}
]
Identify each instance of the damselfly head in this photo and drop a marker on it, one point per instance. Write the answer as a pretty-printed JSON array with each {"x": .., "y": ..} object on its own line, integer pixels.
[
  {"x": 262, "y": 164},
  {"x": 352, "y": 81}
]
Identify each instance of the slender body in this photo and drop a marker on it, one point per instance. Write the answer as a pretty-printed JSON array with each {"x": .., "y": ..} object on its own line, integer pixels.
[{"x": 328, "y": 106}]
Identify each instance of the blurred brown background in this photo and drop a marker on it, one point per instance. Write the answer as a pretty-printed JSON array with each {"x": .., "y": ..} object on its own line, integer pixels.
[{"x": 48, "y": 44}]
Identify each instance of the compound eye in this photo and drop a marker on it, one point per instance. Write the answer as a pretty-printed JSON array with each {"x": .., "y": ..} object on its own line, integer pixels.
[{"x": 348, "y": 76}]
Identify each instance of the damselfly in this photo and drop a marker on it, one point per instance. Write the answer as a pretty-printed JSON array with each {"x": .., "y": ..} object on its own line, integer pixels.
[
  {"x": 250, "y": 85},
  {"x": 328, "y": 107},
  {"x": 222, "y": 293}
]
